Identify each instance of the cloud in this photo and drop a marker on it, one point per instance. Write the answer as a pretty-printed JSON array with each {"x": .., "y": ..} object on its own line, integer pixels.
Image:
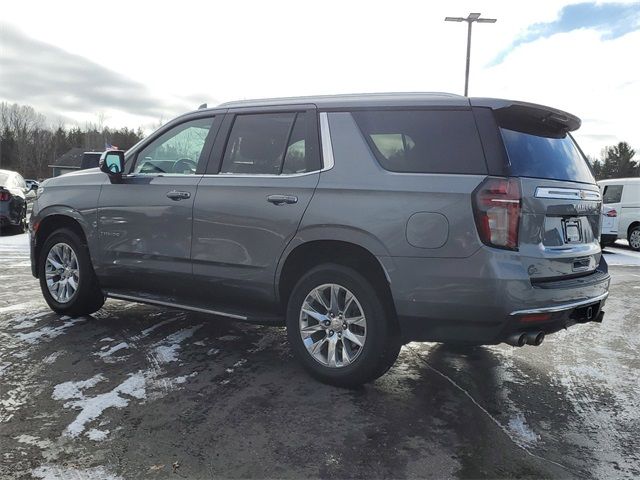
[
  {"x": 35, "y": 72},
  {"x": 612, "y": 20}
]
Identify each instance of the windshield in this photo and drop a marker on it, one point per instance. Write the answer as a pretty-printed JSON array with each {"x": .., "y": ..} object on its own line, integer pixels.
[{"x": 545, "y": 157}]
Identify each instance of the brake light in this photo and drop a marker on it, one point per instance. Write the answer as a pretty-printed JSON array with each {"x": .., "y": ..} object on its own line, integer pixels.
[
  {"x": 496, "y": 208},
  {"x": 611, "y": 213},
  {"x": 5, "y": 196}
]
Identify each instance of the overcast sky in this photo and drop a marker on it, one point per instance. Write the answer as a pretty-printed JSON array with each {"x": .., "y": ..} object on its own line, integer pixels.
[{"x": 136, "y": 62}]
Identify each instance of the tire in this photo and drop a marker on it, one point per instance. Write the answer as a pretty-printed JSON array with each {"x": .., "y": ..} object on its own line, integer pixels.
[
  {"x": 87, "y": 297},
  {"x": 353, "y": 365},
  {"x": 634, "y": 239}
]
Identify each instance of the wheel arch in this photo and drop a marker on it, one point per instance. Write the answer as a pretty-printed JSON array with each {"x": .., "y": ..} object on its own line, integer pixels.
[
  {"x": 632, "y": 227},
  {"x": 307, "y": 254},
  {"x": 52, "y": 220}
]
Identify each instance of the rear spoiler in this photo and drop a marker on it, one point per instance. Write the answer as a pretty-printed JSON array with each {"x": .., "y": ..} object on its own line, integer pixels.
[{"x": 526, "y": 115}]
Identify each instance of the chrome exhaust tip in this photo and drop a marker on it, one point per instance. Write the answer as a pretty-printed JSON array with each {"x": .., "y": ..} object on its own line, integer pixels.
[
  {"x": 535, "y": 338},
  {"x": 517, "y": 339}
]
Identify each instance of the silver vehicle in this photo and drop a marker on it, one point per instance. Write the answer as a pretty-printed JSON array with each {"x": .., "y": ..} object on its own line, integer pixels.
[{"x": 362, "y": 222}]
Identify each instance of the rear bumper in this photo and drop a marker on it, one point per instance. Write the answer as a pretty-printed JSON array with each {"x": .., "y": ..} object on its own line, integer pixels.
[{"x": 485, "y": 298}]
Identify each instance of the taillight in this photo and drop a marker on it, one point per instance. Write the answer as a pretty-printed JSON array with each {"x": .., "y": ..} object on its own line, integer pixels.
[
  {"x": 496, "y": 208},
  {"x": 611, "y": 213},
  {"x": 5, "y": 196}
]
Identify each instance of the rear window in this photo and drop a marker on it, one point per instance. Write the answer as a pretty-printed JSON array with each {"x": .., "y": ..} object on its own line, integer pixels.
[
  {"x": 554, "y": 157},
  {"x": 423, "y": 141},
  {"x": 612, "y": 194}
]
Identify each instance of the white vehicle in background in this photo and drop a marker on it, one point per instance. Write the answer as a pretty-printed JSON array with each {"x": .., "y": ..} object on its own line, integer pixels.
[{"x": 621, "y": 211}]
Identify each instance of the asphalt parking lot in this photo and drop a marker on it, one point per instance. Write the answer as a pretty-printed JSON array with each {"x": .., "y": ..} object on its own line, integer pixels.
[{"x": 136, "y": 391}]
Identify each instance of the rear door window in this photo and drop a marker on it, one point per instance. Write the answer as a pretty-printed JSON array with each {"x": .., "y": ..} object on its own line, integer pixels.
[
  {"x": 551, "y": 156},
  {"x": 612, "y": 194},
  {"x": 423, "y": 141}
]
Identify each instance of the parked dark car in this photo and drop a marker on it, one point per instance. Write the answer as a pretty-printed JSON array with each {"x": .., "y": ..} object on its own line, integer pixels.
[
  {"x": 362, "y": 222},
  {"x": 13, "y": 202}
]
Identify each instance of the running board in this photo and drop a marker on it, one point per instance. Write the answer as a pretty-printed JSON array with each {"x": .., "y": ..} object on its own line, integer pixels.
[{"x": 153, "y": 301}]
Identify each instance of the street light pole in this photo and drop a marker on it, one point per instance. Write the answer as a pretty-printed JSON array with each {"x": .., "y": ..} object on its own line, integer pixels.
[{"x": 473, "y": 17}]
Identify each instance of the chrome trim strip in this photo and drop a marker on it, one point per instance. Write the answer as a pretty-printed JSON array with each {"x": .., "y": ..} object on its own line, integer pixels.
[
  {"x": 132, "y": 298},
  {"x": 325, "y": 139},
  {"x": 562, "y": 193},
  {"x": 560, "y": 308},
  {"x": 257, "y": 175}
]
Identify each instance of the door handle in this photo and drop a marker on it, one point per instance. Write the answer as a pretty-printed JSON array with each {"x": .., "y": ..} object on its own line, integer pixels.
[
  {"x": 175, "y": 195},
  {"x": 282, "y": 199}
]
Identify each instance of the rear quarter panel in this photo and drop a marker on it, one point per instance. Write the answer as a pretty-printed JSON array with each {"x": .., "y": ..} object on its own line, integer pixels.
[{"x": 357, "y": 200}]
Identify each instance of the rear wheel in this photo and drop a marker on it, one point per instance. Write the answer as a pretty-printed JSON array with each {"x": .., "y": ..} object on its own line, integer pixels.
[
  {"x": 338, "y": 327},
  {"x": 634, "y": 238},
  {"x": 67, "y": 280}
]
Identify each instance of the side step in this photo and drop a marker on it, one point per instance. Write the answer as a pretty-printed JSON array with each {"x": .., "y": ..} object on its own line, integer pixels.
[{"x": 251, "y": 317}]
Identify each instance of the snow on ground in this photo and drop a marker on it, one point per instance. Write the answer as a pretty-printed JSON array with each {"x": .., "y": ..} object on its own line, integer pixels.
[
  {"x": 92, "y": 407},
  {"x": 56, "y": 472}
]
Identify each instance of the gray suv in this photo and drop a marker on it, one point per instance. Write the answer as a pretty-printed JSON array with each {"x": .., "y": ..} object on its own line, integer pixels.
[{"x": 362, "y": 222}]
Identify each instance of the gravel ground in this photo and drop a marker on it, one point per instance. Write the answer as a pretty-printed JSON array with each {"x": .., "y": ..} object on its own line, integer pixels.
[{"x": 136, "y": 391}]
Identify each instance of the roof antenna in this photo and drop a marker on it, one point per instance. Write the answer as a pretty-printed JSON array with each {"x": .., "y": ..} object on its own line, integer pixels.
[{"x": 204, "y": 105}]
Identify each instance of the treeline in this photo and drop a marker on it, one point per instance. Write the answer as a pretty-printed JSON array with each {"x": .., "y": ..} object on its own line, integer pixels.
[
  {"x": 616, "y": 162},
  {"x": 28, "y": 144}
]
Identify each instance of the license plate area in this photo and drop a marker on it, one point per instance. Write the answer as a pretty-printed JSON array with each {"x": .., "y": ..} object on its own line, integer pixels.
[{"x": 572, "y": 230}]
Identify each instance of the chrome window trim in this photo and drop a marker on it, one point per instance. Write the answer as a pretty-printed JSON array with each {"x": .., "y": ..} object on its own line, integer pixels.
[
  {"x": 562, "y": 193},
  {"x": 258, "y": 175},
  {"x": 151, "y": 301},
  {"x": 326, "y": 144},
  {"x": 560, "y": 308}
]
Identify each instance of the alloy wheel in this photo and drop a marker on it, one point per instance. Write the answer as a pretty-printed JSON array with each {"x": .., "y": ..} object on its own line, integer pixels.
[
  {"x": 62, "y": 272},
  {"x": 333, "y": 326}
]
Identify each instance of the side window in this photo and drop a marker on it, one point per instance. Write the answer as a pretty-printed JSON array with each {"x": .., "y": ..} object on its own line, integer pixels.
[
  {"x": 257, "y": 143},
  {"x": 177, "y": 151},
  {"x": 612, "y": 194},
  {"x": 423, "y": 141}
]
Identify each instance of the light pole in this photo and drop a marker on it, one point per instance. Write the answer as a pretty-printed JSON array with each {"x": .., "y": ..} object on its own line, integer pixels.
[{"x": 473, "y": 17}]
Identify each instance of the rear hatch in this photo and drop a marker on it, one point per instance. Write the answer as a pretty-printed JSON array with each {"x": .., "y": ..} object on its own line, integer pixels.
[{"x": 558, "y": 235}]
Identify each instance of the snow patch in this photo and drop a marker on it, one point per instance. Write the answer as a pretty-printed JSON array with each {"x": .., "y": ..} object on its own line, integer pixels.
[
  {"x": 92, "y": 407},
  {"x": 518, "y": 426},
  {"x": 55, "y": 472},
  {"x": 112, "y": 350},
  {"x": 97, "y": 435},
  {"x": 168, "y": 351},
  {"x": 33, "y": 338},
  {"x": 49, "y": 359}
]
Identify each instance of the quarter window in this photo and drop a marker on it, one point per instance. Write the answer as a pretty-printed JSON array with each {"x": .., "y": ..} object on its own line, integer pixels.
[
  {"x": 423, "y": 141},
  {"x": 177, "y": 151}
]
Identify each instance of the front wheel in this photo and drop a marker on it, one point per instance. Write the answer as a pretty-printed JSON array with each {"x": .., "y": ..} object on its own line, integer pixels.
[
  {"x": 634, "y": 239},
  {"x": 338, "y": 327},
  {"x": 67, "y": 280}
]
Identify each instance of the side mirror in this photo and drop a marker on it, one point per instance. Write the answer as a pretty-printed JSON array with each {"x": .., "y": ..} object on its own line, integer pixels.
[{"x": 112, "y": 162}]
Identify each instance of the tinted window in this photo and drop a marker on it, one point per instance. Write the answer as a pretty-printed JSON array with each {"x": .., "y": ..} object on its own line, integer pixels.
[
  {"x": 297, "y": 158},
  {"x": 257, "y": 143},
  {"x": 423, "y": 141},
  {"x": 177, "y": 151},
  {"x": 553, "y": 157},
  {"x": 612, "y": 194}
]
